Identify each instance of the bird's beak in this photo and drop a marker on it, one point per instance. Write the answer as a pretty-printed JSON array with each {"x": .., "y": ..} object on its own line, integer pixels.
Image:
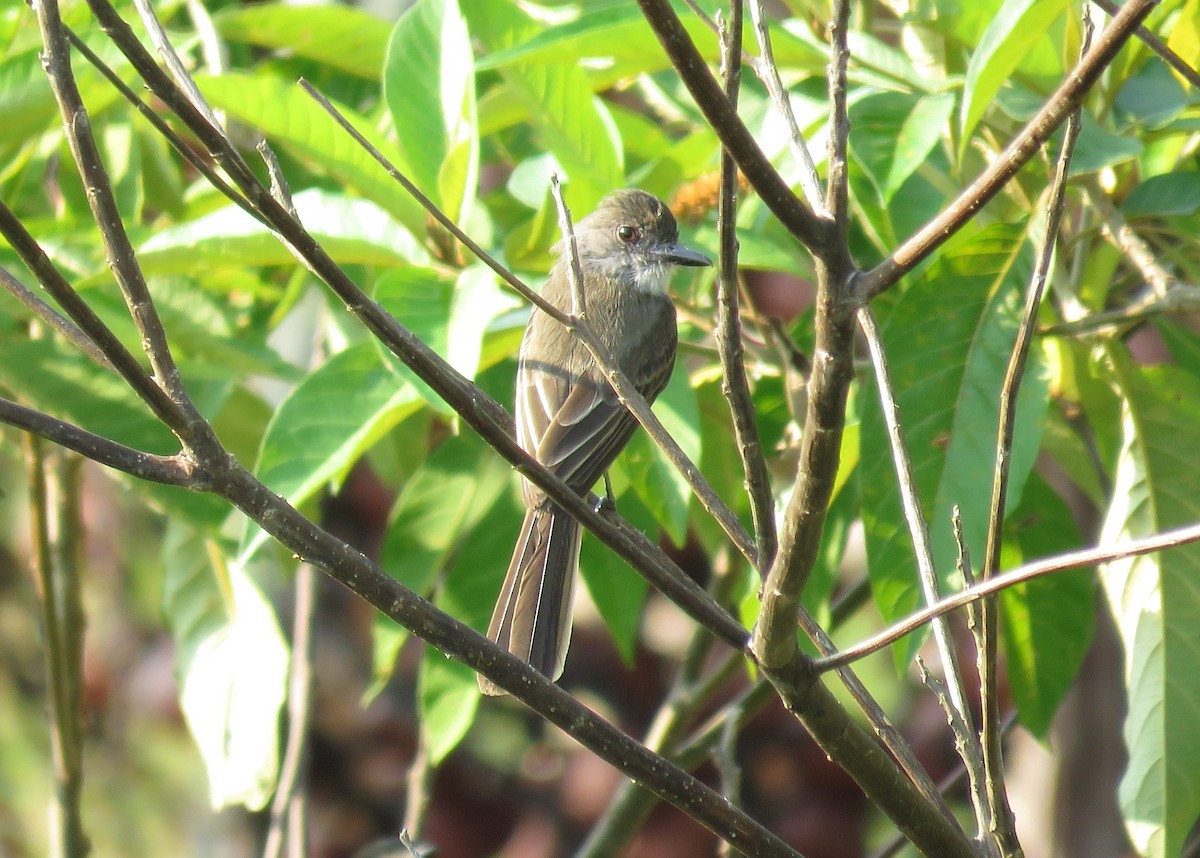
[{"x": 680, "y": 255}]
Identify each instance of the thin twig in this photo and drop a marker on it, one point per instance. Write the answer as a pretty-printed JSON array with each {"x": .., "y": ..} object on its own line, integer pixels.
[
  {"x": 768, "y": 72},
  {"x": 570, "y": 249},
  {"x": 728, "y": 332},
  {"x": 989, "y": 631},
  {"x": 1122, "y": 236},
  {"x": 54, "y": 519},
  {"x": 54, "y": 319},
  {"x": 837, "y": 191},
  {"x": 289, "y": 802},
  {"x": 1040, "y": 568},
  {"x": 958, "y": 710}
]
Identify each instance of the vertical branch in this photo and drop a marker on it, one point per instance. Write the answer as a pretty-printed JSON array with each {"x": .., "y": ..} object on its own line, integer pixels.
[
  {"x": 837, "y": 192},
  {"x": 54, "y": 519},
  {"x": 993, "y": 753},
  {"x": 117, "y": 246},
  {"x": 957, "y": 711},
  {"x": 729, "y": 326},
  {"x": 289, "y": 806},
  {"x": 768, "y": 73}
]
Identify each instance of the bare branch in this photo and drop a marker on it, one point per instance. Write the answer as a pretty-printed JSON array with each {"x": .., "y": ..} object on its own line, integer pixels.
[
  {"x": 957, "y": 709},
  {"x": 735, "y": 137},
  {"x": 728, "y": 332},
  {"x": 768, "y": 72},
  {"x": 1060, "y": 563}
]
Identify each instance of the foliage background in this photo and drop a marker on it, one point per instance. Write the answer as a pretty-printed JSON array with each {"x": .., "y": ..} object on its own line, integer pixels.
[{"x": 478, "y": 102}]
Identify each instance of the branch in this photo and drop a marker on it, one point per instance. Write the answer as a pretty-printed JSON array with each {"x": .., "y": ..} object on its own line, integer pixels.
[
  {"x": 728, "y": 332},
  {"x": 1157, "y": 45},
  {"x": 989, "y": 630},
  {"x": 476, "y": 408},
  {"x": 180, "y": 416},
  {"x": 1023, "y": 147},
  {"x": 1062, "y": 563},
  {"x": 811, "y": 231},
  {"x": 458, "y": 641},
  {"x": 167, "y": 470}
]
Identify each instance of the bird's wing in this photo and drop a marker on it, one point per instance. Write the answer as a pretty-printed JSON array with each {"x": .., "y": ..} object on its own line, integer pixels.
[{"x": 577, "y": 426}]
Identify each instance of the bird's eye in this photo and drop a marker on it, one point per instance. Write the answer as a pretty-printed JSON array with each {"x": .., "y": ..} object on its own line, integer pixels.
[{"x": 628, "y": 234}]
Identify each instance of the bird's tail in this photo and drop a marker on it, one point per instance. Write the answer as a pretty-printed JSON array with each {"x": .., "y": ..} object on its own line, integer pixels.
[{"x": 532, "y": 619}]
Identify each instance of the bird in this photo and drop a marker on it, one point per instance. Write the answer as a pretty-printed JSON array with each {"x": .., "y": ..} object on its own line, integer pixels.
[{"x": 569, "y": 418}]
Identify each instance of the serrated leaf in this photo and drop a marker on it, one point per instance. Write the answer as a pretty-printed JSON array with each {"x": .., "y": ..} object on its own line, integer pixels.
[
  {"x": 288, "y": 116},
  {"x": 1156, "y": 602},
  {"x": 339, "y": 36},
  {"x": 449, "y": 698},
  {"x": 352, "y": 231},
  {"x": 437, "y": 122},
  {"x": 1001, "y": 48},
  {"x": 326, "y": 423},
  {"x": 232, "y": 665},
  {"x": 947, "y": 338}
]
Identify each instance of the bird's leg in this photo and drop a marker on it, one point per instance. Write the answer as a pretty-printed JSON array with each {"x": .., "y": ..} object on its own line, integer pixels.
[{"x": 606, "y": 502}]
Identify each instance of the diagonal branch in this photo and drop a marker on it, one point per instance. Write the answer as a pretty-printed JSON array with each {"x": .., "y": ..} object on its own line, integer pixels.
[
  {"x": 812, "y": 232},
  {"x": 1023, "y": 147}
]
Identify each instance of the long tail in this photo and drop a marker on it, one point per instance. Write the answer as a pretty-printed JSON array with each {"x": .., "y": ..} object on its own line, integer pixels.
[{"x": 532, "y": 619}]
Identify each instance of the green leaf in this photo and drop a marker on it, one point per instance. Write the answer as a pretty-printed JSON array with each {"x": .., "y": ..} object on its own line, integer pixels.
[
  {"x": 421, "y": 299},
  {"x": 1156, "y": 601},
  {"x": 1048, "y": 621},
  {"x": 440, "y": 505},
  {"x": 661, "y": 487},
  {"x": 287, "y": 115},
  {"x": 477, "y": 301},
  {"x": 449, "y": 698},
  {"x": 924, "y": 127},
  {"x": 1167, "y": 194},
  {"x": 232, "y": 664},
  {"x": 429, "y": 86},
  {"x": 352, "y": 231},
  {"x": 556, "y": 95},
  {"x": 948, "y": 338},
  {"x": 326, "y": 423},
  {"x": 71, "y": 387},
  {"x": 879, "y": 119},
  {"x": 1005, "y": 42},
  {"x": 338, "y": 36},
  {"x": 615, "y": 33},
  {"x": 1097, "y": 147}
]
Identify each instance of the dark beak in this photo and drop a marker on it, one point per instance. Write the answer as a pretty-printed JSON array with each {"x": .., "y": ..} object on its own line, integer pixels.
[{"x": 681, "y": 255}]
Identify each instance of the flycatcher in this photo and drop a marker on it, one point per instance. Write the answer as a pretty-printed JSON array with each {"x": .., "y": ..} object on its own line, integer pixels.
[{"x": 569, "y": 418}]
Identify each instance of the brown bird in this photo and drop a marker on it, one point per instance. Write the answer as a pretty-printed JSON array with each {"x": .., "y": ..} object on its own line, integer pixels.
[{"x": 568, "y": 416}]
